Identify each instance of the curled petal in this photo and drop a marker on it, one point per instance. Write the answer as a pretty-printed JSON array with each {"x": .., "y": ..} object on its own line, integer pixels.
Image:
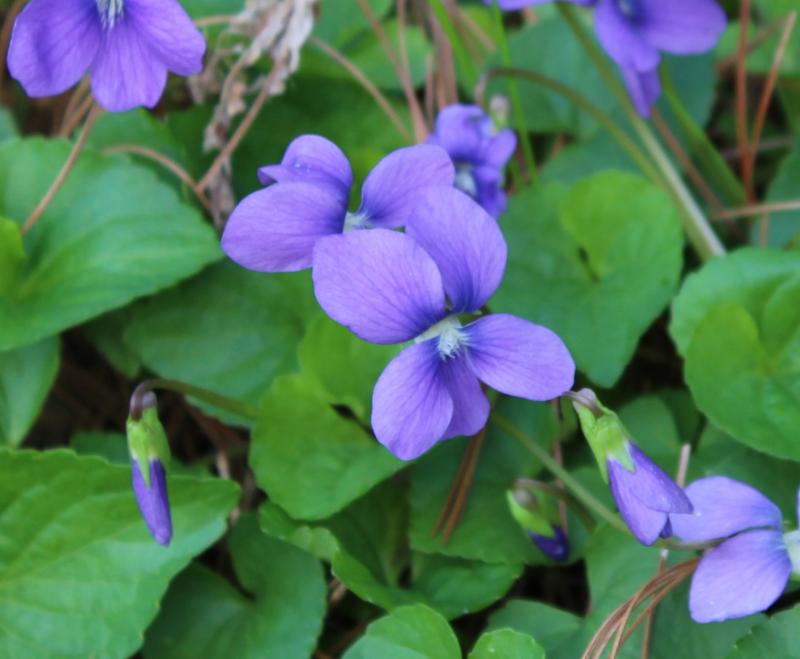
[
  {"x": 153, "y": 501},
  {"x": 311, "y": 158},
  {"x": 500, "y": 148},
  {"x": 378, "y": 283},
  {"x": 464, "y": 241},
  {"x": 519, "y": 358},
  {"x": 392, "y": 188},
  {"x": 127, "y": 72},
  {"x": 722, "y": 507},
  {"x": 742, "y": 576},
  {"x": 411, "y": 405},
  {"x": 53, "y": 44},
  {"x": 170, "y": 34},
  {"x": 275, "y": 229},
  {"x": 682, "y": 27},
  {"x": 621, "y": 38}
]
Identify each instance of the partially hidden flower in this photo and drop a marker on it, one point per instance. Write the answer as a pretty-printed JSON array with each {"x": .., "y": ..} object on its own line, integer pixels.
[
  {"x": 747, "y": 572},
  {"x": 275, "y": 229},
  {"x": 389, "y": 287},
  {"x": 479, "y": 151},
  {"x": 645, "y": 495},
  {"x": 635, "y": 32},
  {"x": 537, "y": 514},
  {"x": 127, "y": 46},
  {"x": 149, "y": 451}
]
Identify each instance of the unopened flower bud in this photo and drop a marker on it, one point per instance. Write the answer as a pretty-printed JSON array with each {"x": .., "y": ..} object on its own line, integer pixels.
[
  {"x": 537, "y": 515},
  {"x": 149, "y": 451}
]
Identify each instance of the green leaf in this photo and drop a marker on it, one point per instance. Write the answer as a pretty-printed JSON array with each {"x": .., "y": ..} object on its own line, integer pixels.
[
  {"x": 737, "y": 322},
  {"x": 345, "y": 367},
  {"x": 26, "y": 375},
  {"x": 506, "y": 644},
  {"x": 8, "y": 126},
  {"x": 279, "y": 614},
  {"x": 573, "y": 255},
  {"x": 309, "y": 459},
  {"x": 79, "y": 574},
  {"x": 410, "y": 632},
  {"x": 113, "y": 446},
  {"x": 228, "y": 329},
  {"x": 113, "y": 233},
  {"x": 12, "y": 255},
  {"x": 107, "y": 334},
  {"x": 339, "y": 22},
  {"x": 550, "y": 626},
  {"x": 785, "y": 225},
  {"x": 779, "y": 636}
]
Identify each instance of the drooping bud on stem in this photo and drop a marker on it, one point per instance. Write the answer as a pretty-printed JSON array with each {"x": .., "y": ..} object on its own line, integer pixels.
[
  {"x": 537, "y": 514},
  {"x": 149, "y": 451}
]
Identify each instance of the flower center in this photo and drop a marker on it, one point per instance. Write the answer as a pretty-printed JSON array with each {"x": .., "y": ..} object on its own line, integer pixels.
[
  {"x": 450, "y": 335},
  {"x": 358, "y": 220},
  {"x": 110, "y": 11},
  {"x": 630, "y": 8},
  {"x": 465, "y": 181},
  {"x": 792, "y": 542}
]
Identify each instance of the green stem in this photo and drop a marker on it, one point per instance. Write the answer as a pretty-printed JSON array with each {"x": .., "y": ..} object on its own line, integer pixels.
[
  {"x": 571, "y": 500},
  {"x": 697, "y": 228},
  {"x": 237, "y": 407},
  {"x": 516, "y": 101},
  {"x": 713, "y": 163},
  {"x": 630, "y": 147},
  {"x": 551, "y": 464}
]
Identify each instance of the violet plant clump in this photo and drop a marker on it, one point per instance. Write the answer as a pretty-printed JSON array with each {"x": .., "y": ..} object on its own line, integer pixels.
[{"x": 126, "y": 46}]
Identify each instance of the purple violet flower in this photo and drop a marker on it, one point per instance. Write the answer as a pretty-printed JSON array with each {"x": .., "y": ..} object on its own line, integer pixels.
[
  {"x": 275, "y": 229},
  {"x": 555, "y": 548},
  {"x": 645, "y": 494},
  {"x": 750, "y": 570},
  {"x": 479, "y": 152},
  {"x": 153, "y": 500},
  {"x": 633, "y": 32},
  {"x": 389, "y": 287},
  {"x": 127, "y": 46}
]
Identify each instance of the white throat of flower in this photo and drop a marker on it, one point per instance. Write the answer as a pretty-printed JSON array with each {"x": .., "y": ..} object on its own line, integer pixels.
[
  {"x": 465, "y": 181},
  {"x": 353, "y": 221},
  {"x": 450, "y": 335},
  {"x": 110, "y": 11},
  {"x": 792, "y": 542}
]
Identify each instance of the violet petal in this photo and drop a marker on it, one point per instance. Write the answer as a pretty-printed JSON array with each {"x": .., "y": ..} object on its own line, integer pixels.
[
  {"x": 380, "y": 284},
  {"x": 644, "y": 88},
  {"x": 470, "y": 405},
  {"x": 722, "y": 507},
  {"x": 518, "y": 358},
  {"x": 275, "y": 229},
  {"x": 682, "y": 27},
  {"x": 464, "y": 241},
  {"x": 621, "y": 39},
  {"x": 411, "y": 406},
  {"x": 743, "y": 575},
  {"x": 645, "y": 523},
  {"x": 153, "y": 501},
  {"x": 311, "y": 158}
]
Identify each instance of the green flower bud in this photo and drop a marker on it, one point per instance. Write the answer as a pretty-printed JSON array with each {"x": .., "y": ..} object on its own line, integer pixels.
[{"x": 147, "y": 441}]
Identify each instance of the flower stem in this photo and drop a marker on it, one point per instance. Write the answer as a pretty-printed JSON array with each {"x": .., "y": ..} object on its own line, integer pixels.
[
  {"x": 551, "y": 464},
  {"x": 513, "y": 90},
  {"x": 697, "y": 228},
  {"x": 65, "y": 170},
  {"x": 237, "y": 407}
]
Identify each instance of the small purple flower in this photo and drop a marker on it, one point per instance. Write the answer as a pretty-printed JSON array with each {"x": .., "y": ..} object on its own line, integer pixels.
[
  {"x": 479, "y": 152},
  {"x": 389, "y": 287},
  {"x": 749, "y": 571},
  {"x": 275, "y": 229},
  {"x": 555, "y": 548},
  {"x": 153, "y": 500},
  {"x": 645, "y": 494},
  {"x": 634, "y": 32},
  {"x": 126, "y": 45}
]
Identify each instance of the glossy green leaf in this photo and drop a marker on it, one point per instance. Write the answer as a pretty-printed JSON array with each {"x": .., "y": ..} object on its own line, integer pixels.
[
  {"x": 311, "y": 460},
  {"x": 279, "y": 614},
  {"x": 79, "y": 574},
  {"x": 779, "y": 636},
  {"x": 552, "y": 627},
  {"x": 737, "y": 322},
  {"x": 26, "y": 375},
  {"x": 228, "y": 329},
  {"x": 410, "y": 632},
  {"x": 113, "y": 233},
  {"x": 573, "y": 255},
  {"x": 508, "y": 644}
]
